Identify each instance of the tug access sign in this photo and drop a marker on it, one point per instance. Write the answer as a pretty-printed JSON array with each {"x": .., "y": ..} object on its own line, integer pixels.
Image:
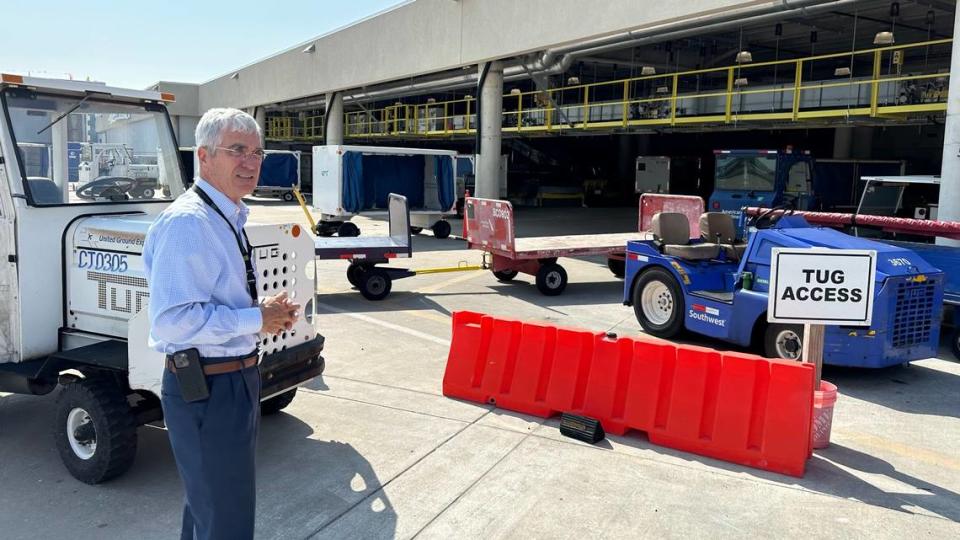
[{"x": 821, "y": 286}]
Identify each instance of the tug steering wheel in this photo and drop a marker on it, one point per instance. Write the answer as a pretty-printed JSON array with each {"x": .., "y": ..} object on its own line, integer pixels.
[{"x": 767, "y": 219}]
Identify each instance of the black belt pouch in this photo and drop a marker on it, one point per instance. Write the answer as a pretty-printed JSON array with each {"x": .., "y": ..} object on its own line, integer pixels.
[{"x": 193, "y": 383}]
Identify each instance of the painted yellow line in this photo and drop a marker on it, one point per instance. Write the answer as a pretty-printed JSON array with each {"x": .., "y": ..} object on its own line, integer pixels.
[
  {"x": 467, "y": 276},
  {"x": 883, "y": 444}
]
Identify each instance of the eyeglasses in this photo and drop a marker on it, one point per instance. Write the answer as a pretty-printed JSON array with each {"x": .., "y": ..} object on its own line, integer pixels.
[{"x": 256, "y": 155}]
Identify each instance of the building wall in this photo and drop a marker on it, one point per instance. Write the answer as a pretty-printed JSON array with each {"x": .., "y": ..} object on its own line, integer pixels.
[
  {"x": 185, "y": 111},
  {"x": 427, "y": 36}
]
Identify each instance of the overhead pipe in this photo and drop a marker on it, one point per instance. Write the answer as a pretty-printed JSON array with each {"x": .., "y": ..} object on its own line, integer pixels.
[{"x": 559, "y": 59}]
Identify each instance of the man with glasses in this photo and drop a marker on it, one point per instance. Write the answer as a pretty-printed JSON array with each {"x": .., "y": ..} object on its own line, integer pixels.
[{"x": 205, "y": 317}]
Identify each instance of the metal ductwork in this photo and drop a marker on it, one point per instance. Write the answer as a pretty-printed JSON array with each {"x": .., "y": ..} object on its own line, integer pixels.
[
  {"x": 558, "y": 60},
  {"x": 689, "y": 29}
]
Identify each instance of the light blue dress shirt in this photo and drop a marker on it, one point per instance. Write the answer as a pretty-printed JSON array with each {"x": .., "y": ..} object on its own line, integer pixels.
[{"x": 195, "y": 272}]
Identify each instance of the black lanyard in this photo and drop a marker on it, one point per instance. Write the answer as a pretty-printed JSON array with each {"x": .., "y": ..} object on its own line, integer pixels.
[{"x": 244, "y": 244}]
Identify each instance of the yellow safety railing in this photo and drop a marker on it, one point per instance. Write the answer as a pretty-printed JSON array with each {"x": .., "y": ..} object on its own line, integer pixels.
[
  {"x": 888, "y": 82},
  {"x": 294, "y": 128}
]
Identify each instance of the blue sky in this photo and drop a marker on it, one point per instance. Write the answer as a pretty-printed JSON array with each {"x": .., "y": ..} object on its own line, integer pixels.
[{"x": 135, "y": 43}]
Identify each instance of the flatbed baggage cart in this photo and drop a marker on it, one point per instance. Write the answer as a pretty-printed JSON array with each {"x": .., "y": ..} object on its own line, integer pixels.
[
  {"x": 490, "y": 228},
  {"x": 366, "y": 252}
]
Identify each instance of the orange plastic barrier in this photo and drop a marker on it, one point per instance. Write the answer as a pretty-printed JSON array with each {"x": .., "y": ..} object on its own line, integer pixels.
[{"x": 729, "y": 406}]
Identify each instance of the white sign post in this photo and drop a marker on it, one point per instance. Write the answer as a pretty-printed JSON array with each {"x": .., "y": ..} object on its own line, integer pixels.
[{"x": 817, "y": 287}]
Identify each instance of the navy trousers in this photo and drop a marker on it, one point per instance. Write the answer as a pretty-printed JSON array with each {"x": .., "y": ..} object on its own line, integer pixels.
[{"x": 214, "y": 444}]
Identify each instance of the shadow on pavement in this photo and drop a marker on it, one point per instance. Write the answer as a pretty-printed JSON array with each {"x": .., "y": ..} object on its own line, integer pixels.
[
  {"x": 910, "y": 388},
  {"x": 317, "y": 481}
]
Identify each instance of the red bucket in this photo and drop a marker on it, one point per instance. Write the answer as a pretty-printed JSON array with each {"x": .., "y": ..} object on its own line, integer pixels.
[{"x": 823, "y": 401}]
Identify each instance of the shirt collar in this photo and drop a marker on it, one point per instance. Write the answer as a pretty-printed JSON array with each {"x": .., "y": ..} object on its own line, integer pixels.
[{"x": 227, "y": 206}]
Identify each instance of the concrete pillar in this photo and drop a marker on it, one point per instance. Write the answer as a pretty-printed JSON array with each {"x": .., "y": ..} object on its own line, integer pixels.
[
  {"x": 60, "y": 165},
  {"x": 260, "y": 115},
  {"x": 949, "y": 209},
  {"x": 842, "y": 142},
  {"x": 333, "y": 129},
  {"x": 491, "y": 111}
]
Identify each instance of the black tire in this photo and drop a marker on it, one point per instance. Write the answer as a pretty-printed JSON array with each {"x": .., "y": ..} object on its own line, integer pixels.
[
  {"x": 551, "y": 279},
  {"x": 441, "y": 229},
  {"x": 955, "y": 342},
  {"x": 101, "y": 415},
  {"x": 662, "y": 316},
  {"x": 504, "y": 275},
  {"x": 784, "y": 341},
  {"x": 277, "y": 403},
  {"x": 375, "y": 284},
  {"x": 287, "y": 196},
  {"x": 348, "y": 229},
  {"x": 416, "y": 230},
  {"x": 147, "y": 193},
  {"x": 617, "y": 266},
  {"x": 355, "y": 273},
  {"x": 325, "y": 230}
]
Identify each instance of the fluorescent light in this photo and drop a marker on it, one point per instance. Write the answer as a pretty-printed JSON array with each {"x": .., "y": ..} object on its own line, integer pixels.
[
  {"x": 742, "y": 81},
  {"x": 883, "y": 38},
  {"x": 648, "y": 70},
  {"x": 841, "y": 72},
  {"x": 744, "y": 57}
]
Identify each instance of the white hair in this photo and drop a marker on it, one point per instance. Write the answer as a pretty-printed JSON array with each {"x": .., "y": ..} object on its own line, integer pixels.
[{"x": 215, "y": 122}]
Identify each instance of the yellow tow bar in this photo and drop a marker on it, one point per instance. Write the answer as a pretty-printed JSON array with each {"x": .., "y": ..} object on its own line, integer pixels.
[
  {"x": 463, "y": 267},
  {"x": 303, "y": 205}
]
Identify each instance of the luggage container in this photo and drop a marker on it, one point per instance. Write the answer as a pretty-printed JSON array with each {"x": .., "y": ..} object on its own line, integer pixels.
[
  {"x": 354, "y": 180},
  {"x": 279, "y": 174}
]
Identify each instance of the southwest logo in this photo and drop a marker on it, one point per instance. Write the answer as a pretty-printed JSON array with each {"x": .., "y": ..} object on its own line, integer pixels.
[{"x": 706, "y": 314}]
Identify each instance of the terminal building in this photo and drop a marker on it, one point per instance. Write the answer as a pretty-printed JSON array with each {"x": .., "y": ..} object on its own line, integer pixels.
[{"x": 583, "y": 97}]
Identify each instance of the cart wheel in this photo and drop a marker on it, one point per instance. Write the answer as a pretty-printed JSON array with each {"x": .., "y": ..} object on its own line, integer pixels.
[
  {"x": 955, "y": 341},
  {"x": 505, "y": 275},
  {"x": 354, "y": 274},
  {"x": 375, "y": 283},
  {"x": 287, "y": 196},
  {"x": 147, "y": 193},
  {"x": 96, "y": 431},
  {"x": 325, "y": 229},
  {"x": 658, "y": 303},
  {"x": 617, "y": 266},
  {"x": 783, "y": 341},
  {"x": 441, "y": 229},
  {"x": 551, "y": 279},
  {"x": 416, "y": 230},
  {"x": 348, "y": 229}
]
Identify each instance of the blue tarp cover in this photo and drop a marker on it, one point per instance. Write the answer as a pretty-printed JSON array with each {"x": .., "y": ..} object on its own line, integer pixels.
[
  {"x": 278, "y": 170},
  {"x": 369, "y": 179},
  {"x": 443, "y": 168}
]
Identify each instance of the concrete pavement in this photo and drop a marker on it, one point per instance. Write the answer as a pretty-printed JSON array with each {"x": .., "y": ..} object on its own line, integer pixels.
[{"x": 373, "y": 450}]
